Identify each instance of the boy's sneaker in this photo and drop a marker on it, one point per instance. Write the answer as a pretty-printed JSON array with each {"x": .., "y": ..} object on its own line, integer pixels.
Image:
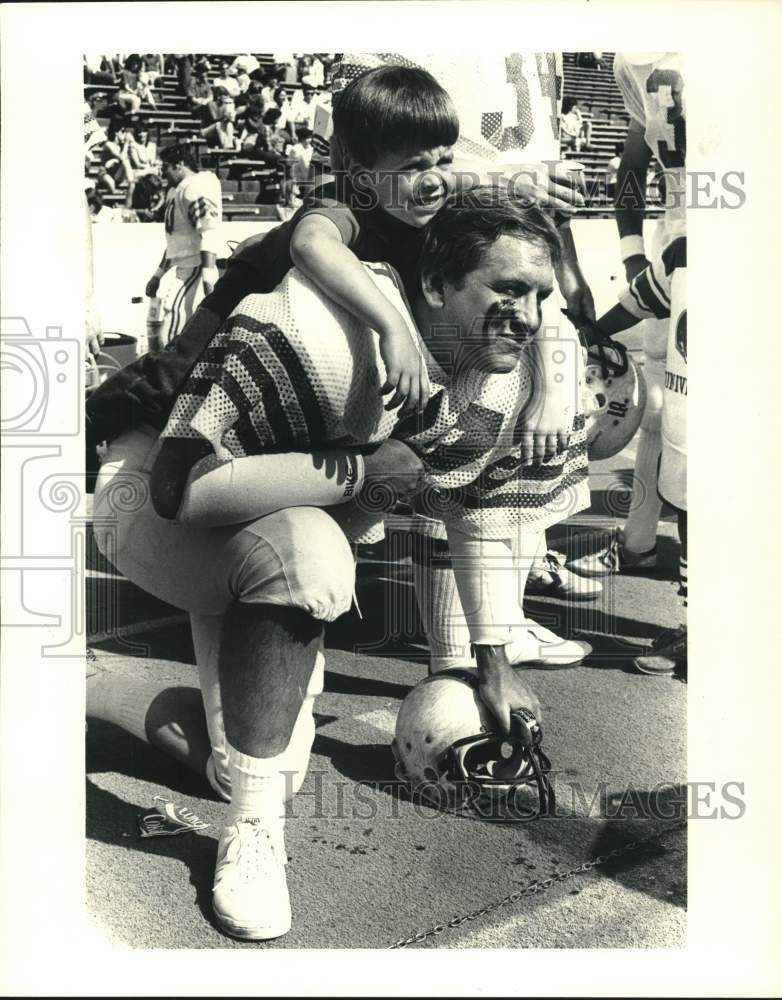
[
  {"x": 250, "y": 895},
  {"x": 550, "y": 577},
  {"x": 615, "y": 558},
  {"x": 667, "y": 655}
]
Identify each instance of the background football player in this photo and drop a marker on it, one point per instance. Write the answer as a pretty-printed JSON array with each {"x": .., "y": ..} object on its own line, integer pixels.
[
  {"x": 652, "y": 86},
  {"x": 192, "y": 219}
]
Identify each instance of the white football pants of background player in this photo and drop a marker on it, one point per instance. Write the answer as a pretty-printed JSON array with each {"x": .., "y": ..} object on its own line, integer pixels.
[{"x": 183, "y": 295}]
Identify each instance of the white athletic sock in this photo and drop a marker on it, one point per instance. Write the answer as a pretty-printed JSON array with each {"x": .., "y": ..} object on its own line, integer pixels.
[
  {"x": 123, "y": 701},
  {"x": 257, "y": 787},
  {"x": 641, "y": 526}
]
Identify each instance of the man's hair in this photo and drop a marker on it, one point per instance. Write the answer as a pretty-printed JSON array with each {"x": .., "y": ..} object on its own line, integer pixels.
[
  {"x": 392, "y": 109},
  {"x": 179, "y": 153},
  {"x": 470, "y": 222}
]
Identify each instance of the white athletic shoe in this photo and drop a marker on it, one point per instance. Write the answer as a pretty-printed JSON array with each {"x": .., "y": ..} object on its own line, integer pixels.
[
  {"x": 534, "y": 645},
  {"x": 250, "y": 895}
]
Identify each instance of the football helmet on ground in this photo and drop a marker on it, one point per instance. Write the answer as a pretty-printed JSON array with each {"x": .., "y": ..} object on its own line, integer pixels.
[{"x": 448, "y": 749}]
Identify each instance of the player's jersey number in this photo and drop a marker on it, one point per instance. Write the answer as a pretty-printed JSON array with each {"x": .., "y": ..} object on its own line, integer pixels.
[
  {"x": 668, "y": 86},
  {"x": 169, "y": 219}
]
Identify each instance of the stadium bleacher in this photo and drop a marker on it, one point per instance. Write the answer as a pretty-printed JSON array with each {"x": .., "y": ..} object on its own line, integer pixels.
[
  {"x": 601, "y": 102},
  {"x": 251, "y": 189},
  {"x": 171, "y": 121}
]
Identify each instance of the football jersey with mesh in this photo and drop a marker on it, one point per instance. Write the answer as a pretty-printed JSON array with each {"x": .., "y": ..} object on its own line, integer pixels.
[
  {"x": 654, "y": 95},
  {"x": 193, "y": 208},
  {"x": 292, "y": 370}
]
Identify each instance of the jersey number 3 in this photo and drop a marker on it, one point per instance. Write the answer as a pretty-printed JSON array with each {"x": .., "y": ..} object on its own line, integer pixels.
[{"x": 668, "y": 85}]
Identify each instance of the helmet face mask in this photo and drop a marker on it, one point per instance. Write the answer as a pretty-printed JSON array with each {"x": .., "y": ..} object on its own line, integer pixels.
[{"x": 449, "y": 752}]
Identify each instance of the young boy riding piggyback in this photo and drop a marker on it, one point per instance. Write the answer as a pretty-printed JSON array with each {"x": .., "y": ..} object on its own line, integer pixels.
[{"x": 393, "y": 132}]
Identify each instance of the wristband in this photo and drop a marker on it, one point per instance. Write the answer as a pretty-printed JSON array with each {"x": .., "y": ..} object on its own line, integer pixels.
[
  {"x": 355, "y": 470},
  {"x": 159, "y": 273},
  {"x": 210, "y": 274},
  {"x": 631, "y": 246}
]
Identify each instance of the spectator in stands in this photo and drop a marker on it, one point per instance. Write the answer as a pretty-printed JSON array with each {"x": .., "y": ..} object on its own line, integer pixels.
[
  {"x": 281, "y": 100},
  {"x": 242, "y": 80},
  {"x": 328, "y": 61},
  {"x": 200, "y": 96},
  {"x": 224, "y": 81},
  {"x": 134, "y": 87},
  {"x": 575, "y": 131},
  {"x": 245, "y": 64},
  {"x": 300, "y": 155},
  {"x": 147, "y": 199},
  {"x": 314, "y": 75},
  {"x": 251, "y": 123},
  {"x": 272, "y": 139},
  {"x": 303, "y": 107},
  {"x": 153, "y": 67},
  {"x": 612, "y": 168},
  {"x": 269, "y": 85},
  {"x": 184, "y": 71},
  {"x": 98, "y": 212},
  {"x": 222, "y": 134},
  {"x": 115, "y": 158},
  {"x": 141, "y": 152}
]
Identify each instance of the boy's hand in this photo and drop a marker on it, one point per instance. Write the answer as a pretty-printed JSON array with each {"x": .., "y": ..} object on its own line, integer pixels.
[
  {"x": 406, "y": 372},
  {"x": 152, "y": 286},
  {"x": 547, "y": 421},
  {"x": 561, "y": 190}
]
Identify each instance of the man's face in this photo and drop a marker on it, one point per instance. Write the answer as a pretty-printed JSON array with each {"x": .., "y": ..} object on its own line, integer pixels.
[
  {"x": 411, "y": 186},
  {"x": 172, "y": 173},
  {"x": 498, "y": 308}
]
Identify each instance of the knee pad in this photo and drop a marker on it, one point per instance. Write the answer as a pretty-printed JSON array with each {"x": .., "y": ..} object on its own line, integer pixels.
[{"x": 318, "y": 562}]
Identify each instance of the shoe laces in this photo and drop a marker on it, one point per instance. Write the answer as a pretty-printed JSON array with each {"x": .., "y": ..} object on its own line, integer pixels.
[{"x": 249, "y": 849}]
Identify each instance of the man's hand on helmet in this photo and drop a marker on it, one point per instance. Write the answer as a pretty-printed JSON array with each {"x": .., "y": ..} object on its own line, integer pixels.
[{"x": 501, "y": 689}]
